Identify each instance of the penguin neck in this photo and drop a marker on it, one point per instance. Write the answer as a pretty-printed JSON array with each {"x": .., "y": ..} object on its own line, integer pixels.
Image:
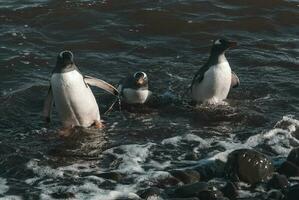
[
  {"x": 64, "y": 69},
  {"x": 215, "y": 59}
]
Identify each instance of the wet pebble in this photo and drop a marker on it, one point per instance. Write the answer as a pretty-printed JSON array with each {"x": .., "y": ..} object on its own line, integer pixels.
[
  {"x": 289, "y": 169},
  {"x": 275, "y": 195},
  {"x": 149, "y": 193},
  {"x": 186, "y": 176},
  {"x": 116, "y": 176},
  {"x": 167, "y": 182},
  {"x": 293, "y": 193},
  {"x": 230, "y": 190},
  {"x": 192, "y": 198},
  {"x": 191, "y": 156},
  {"x": 278, "y": 181},
  {"x": 200, "y": 190},
  {"x": 248, "y": 166},
  {"x": 294, "y": 156},
  {"x": 189, "y": 190},
  {"x": 63, "y": 195}
]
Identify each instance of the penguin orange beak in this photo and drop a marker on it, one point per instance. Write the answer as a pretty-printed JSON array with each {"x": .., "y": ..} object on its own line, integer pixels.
[{"x": 231, "y": 44}]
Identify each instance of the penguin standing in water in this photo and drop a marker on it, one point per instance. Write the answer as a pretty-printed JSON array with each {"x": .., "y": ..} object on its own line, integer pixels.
[
  {"x": 134, "y": 88},
  {"x": 212, "y": 82},
  {"x": 70, "y": 92}
]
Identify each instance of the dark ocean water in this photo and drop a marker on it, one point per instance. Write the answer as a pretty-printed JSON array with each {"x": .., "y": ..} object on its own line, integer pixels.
[{"x": 169, "y": 40}]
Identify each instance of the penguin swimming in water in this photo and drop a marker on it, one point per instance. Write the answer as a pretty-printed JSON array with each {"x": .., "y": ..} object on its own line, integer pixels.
[
  {"x": 134, "y": 88},
  {"x": 212, "y": 83},
  {"x": 70, "y": 92}
]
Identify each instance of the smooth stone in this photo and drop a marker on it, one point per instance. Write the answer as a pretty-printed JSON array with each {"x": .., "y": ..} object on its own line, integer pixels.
[
  {"x": 149, "y": 193},
  {"x": 191, "y": 156},
  {"x": 190, "y": 190},
  {"x": 200, "y": 190},
  {"x": 212, "y": 194},
  {"x": 230, "y": 190},
  {"x": 186, "y": 176},
  {"x": 249, "y": 166},
  {"x": 294, "y": 156},
  {"x": 210, "y": 170},
  {"x": 296, "y": 134},
  {"x": 275, "y": 195},
  {"x": 289, "y": 169},
  {"x": 167, "y": 182},
  {"x": 293, "y": 193},
  {"x": 63, "y": 195},
  {"x": 278, "y": 181},
  {"x": 116, "y": 176},
  {"x": 191, "y": 198}
]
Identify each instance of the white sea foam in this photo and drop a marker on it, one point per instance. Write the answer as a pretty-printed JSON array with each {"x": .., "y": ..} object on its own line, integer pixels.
[
  {"x": 175, "y": 141},
  {"x": 3, "y": 186},
  {"x": 44, "y": 171},
  {"x": 11, "y": 197},
  {"x": 136, "y": 162},
  {"x": 133, "y": 157}
]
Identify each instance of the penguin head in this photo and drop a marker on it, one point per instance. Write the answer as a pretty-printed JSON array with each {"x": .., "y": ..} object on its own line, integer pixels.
[
  {"x": 221, "y": 45},
  {"x": 65, "y": 58},
  {"x": 140, "y": 79}
]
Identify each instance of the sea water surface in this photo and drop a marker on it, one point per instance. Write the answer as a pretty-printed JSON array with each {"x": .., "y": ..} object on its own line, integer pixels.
[{"x": 169, "y": 40}]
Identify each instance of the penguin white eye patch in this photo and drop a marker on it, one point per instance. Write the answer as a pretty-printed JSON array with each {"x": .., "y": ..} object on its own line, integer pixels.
[
  {"x": 217, "y": 42},
  {"x": 61, "y": 53},
  {"x": 144, "y": 74}
]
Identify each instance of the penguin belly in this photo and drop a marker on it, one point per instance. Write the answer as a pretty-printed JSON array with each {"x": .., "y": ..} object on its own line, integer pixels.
[
  {"x": 133, "y": 96},
  {"x": 74, "y": 99},
  {"x": 215, "y": 85}
]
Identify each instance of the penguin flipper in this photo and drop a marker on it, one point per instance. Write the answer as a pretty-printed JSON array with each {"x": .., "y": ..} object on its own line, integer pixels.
[
  {"x": 48, "y": 104},
  {"x": 235, "y": 80},
  {"x": 101, "y": 84},
  {"x": 198, "y": 77}
]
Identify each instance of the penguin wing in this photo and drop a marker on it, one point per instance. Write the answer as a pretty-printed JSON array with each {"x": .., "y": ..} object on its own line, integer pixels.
[
  {"x": 48, "y": 104},
  {"x": 101, "y": 84},
  {"x": 235, "y": 80},
  {"x": 200, "y": 74}
]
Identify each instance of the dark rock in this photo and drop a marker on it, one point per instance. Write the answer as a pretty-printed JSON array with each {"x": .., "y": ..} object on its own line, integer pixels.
[
  {"x": 296, "y": 133},
  {"x": 63, "y": 195},
  {"x": 186, "y": 176},
  {"x": 249, "y": 166},
  {"x": 293, "y": 193},
  {"x": 149, "y": 192},
  {"x": 191, "y": 156},
  {"x": 116, "y": 176},
  {"x": 294, "y": 156},
  {"x": 167, "y": 182},
  {"x": 191, "y": 198},
  {"x": 278, "y": 181},
  {"x": 275, "y": 195},
  {"x": 289, "y": 169},
  {"x": 230, "y": 190},
  {"x": 210, "y": 170},
  {"x": 190, "y": 190},
  {"x": 200, "y": 190},
  {"x": 211, "y": 194}
]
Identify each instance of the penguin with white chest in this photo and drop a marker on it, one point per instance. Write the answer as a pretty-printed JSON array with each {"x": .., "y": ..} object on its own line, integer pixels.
[
  {"x": 134, "y": 88},
  {"x": 212, "y": 83},
  {"x": 70, "y": 92}
]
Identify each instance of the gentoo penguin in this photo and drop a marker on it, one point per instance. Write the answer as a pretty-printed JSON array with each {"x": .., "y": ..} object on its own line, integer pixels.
[
  {"x": 212, "y": 82},
  {"x": 70, "y": 92},
  {"x": 134, "y": 88}
]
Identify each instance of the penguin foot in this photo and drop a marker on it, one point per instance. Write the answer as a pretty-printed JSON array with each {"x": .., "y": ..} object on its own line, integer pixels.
[{"x": 97, "y": 124}]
